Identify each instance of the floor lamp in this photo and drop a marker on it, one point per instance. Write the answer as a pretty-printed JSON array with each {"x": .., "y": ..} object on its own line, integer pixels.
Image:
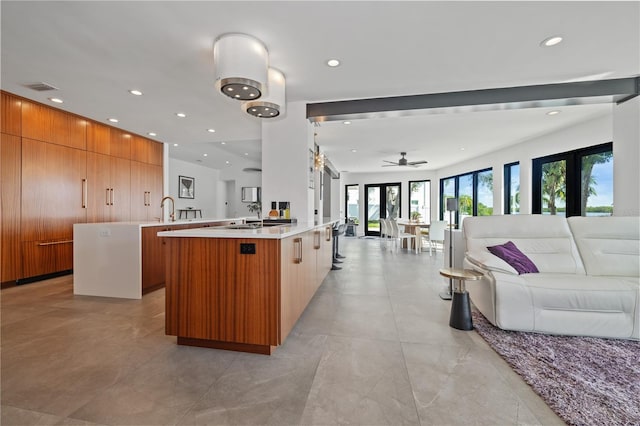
[{"x": 452, "y": 206}]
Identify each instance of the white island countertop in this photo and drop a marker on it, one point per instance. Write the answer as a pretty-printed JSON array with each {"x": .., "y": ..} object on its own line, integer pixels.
[{"x": 268, "y": 232}]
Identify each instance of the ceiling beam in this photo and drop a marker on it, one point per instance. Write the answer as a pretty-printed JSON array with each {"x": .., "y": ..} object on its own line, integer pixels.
[{"x": 545, "y": 95}]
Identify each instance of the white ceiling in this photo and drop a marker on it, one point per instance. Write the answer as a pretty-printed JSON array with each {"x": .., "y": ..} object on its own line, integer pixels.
[{"x": 94, "y": 52}]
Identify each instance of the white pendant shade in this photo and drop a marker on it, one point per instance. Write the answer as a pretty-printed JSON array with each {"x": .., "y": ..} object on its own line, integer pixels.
[
  {"x": 273, "y": 102},
  {"x": 241, "y": 63}
]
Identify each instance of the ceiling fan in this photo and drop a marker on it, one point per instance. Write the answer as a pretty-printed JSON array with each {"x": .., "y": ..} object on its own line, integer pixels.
[{"x": 403, "y": 162}]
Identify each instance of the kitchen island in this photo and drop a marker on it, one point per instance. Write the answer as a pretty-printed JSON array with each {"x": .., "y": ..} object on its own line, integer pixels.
[
  {"x": 125, "y": 259},
  {"x": 242, "y": 288}
]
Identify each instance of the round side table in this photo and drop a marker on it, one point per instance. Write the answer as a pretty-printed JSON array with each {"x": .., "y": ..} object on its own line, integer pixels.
[{"x": 460, "y": 306}]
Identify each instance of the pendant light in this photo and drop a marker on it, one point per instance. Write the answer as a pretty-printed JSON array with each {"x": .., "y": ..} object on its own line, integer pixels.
[
  {"x": 272, "y": 103},
  {"x": 241, "y": 64}
]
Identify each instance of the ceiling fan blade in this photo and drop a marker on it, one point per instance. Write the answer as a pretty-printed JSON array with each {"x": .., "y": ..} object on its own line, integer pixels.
[
  {"x": 414, "y": 163},
  {"x": 389, "y": 165},
  {"x": 392, "y": 162}
]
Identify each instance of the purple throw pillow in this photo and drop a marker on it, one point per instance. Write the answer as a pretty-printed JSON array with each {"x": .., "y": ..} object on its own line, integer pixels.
[{"x": 514, "y": 257}]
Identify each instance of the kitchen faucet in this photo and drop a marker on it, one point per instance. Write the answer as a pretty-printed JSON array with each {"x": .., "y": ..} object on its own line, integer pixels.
[{"x": 172, "y": 216}]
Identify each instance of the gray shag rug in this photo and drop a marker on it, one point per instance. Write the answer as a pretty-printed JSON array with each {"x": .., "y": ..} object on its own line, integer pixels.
[{"x": 585, "y": 380}]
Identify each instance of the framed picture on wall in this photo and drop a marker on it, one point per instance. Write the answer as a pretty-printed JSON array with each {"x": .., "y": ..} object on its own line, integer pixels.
[{"x": 186, "y": 187}]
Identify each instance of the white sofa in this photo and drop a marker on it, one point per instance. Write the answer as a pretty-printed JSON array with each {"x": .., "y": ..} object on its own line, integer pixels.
[{"x": 588, "y": 282}]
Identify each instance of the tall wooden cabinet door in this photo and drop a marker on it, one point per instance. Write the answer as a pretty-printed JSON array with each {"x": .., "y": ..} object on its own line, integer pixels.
[
  {"x": 11, "y": 115},
  {"x": 156, "y": 153},
  {"x": 98, "y": 187},
  {"x": 154, "y": 185},
  {"x": 10, "y": 175},
  {"x": 120, "y": 190},
  {"x": 120, "y": 145},
  {"x": 139, "y": 193},
  {"x": 53, "y": 190}
]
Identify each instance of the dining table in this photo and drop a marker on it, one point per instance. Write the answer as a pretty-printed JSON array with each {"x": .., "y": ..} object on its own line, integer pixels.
[{"x": 415, "y": 228}]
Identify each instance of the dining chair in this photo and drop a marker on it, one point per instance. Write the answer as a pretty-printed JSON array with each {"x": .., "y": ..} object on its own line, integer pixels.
[
  {"x": 436, "y": 234},
  {"x": 383, "y": 232},
  {"x": 399, "y": 237}
]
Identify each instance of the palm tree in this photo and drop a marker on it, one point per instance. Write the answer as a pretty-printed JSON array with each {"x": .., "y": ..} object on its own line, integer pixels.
[
  {"x": 588, "y": 182},
  {"x": 554, "y": 183}
]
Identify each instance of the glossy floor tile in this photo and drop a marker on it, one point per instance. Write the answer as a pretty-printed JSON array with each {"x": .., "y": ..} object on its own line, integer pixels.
[{"x": 372, "y": 348}]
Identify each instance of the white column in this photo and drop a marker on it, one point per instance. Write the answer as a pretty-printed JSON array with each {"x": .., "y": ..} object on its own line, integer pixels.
[
  {"x": 626, "y": 158},
  {"x": 285, "y": 162}
]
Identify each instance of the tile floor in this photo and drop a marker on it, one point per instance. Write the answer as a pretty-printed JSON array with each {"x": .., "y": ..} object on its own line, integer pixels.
[{"x": 372, "y": 348}]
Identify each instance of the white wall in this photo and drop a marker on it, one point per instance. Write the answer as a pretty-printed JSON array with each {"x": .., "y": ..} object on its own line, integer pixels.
[
  {"x": 285, "y": 161},
  {"x": 236, "y": 180},
  {"x": 206, "y": 187},
  {"x": 593, "y": 132},
  {"x": 386, "y": 177},
  {"x": 626, "y": 158}
]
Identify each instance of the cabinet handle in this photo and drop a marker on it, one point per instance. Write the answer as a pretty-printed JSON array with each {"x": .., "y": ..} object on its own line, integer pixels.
[
  {"x": 327, "y": 233},
  {"x": 316, "y": 240},
  {"x": 146, "y": 193},
  {"x": 111, "y": 195},
  {"x": 297, "y": 248},
  {"x": 51, "y": 243},
  {"x": 84, "y": 193},
  {"x": 106, "y": 198}
]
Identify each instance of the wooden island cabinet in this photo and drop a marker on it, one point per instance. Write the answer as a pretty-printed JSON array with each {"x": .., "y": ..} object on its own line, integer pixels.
[{"x": 240, "y": 289}]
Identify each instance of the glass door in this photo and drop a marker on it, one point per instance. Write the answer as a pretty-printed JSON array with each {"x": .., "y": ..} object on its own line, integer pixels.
[{"x": 383, "y": 201}]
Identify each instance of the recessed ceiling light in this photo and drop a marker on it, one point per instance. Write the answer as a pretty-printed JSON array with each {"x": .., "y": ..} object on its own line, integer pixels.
[
  {"x": 554, "y": 112},
  {"x": 175, "y": 144},
  {"x": 152, "y": 134},
  {"x": 204, "y": 155},
  {"x": 113, "y": 120},
  {"x": 211, "y": 130},
  {"x": 181, "y": 114},
  {"x": 346, "y": 122},
  {"x": 226, "y": 162},
  {"x": 462, "y": 148},
  {"x": 56, "y": 100},
  {"x": 135, "y": 92},
  {"x": 333, "y": 62},
  {"x": 551, "y": 41},
  {"x": 246, "y": 153},
  {"x": 354, "y": 150},
  {"x": 223, "y": 143}
]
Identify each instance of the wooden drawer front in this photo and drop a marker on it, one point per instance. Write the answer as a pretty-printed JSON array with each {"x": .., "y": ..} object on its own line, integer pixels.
[
  {"x": 11, "y": 115},
  {"x": 215, "y": 293},
  {"x": 46, "y": 257}
]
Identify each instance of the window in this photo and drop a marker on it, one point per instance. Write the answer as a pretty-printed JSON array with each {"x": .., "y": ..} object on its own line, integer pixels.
[
  {"x": 352, "y": 194},
  {"x": 383, "y": 201},
  {"x": 574, "y": 183},
  {"x": 474, "y": 192},
  {"x": 512, "y": 188},
  {"x": 420, "y": 199}
]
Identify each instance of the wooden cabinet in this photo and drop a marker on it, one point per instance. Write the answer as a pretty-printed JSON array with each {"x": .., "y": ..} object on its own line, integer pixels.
[
  {"x": 11, "y": 115},
  {"x": 219, "y": 297},
  {"x": 109, "y": 188},
  {"x": 153, "y": 252},
  {"x": 146, "y": 151},
  {"x": 42, "y": 123},
  {"x": 10, "y": 176},
  {"x": 54, "y": 197},
  {"x": 146, "y": 191}
]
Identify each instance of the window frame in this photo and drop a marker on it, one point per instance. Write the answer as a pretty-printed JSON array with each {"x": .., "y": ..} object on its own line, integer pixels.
[
  {"x": 474, "y": 174},
  {"x": 508, "y": 168}
]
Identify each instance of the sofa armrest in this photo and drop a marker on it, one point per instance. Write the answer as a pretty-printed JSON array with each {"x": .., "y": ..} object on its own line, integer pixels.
[{"x": 486, "y": 261}]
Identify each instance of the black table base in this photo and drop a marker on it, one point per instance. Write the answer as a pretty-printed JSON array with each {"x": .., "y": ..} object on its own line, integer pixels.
[{"x": 461, "y": 312}]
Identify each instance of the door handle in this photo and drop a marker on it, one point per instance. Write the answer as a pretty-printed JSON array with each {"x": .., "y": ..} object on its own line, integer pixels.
[
  {"x": 107, "y": 197},
  {"x": 328, "y": 232},
  {"x": 84, "y": 193},
  {"x": 111, "y": 195},
  {"x": 297, "y": 249},
  {"x": 316, "y": 239}
]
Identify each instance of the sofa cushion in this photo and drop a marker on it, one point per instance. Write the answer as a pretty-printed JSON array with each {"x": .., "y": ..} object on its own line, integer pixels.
[
  {"x": 608, "y": 245},
  {"x": 546, "y": 240},
  {"x": 514, "y": 257}
]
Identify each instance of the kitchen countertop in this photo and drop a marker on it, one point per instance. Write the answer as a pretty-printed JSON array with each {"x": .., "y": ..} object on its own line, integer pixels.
[
  {"x": 270, "y": 232},
  {"x": 145, "y": 224}
]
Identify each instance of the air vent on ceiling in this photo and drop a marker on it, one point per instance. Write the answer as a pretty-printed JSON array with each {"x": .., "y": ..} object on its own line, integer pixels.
[
  {"x": 41, "y": 87},
  {"x": 252, "y": 169}
]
